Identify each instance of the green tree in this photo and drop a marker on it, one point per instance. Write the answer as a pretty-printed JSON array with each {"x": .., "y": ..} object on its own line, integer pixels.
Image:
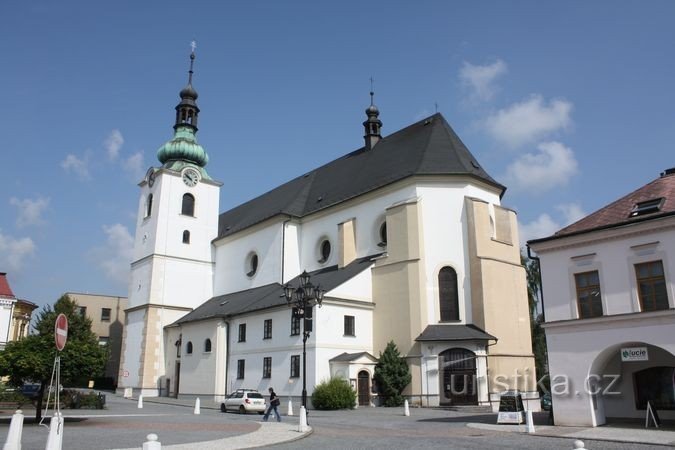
[
  {"x": 538, "y": 336},
  {"x": 32, "y": 358},
  {"x": 335, "y": 393},
  {"x": 392, "y": 375}
]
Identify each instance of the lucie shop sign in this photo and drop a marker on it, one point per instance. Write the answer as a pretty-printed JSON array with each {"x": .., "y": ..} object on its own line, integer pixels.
[{"x": 634, "y": 354}]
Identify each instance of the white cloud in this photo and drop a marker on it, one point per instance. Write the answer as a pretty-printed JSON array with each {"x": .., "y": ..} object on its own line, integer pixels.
[
  {"x": 571, "y": 213},
  {"x": 480, "y": 79},
  {"x": 553, "y": 165},
  {"x": 542, "y": 226},
  {"x": 30, "y": 211},
  {"x": 115, "y": 256},
  {"x": 545, "y": 225},
  {"x": 113, "y": 144},
  {"x": 15, "y": 251},
  {"x": 134, "y": 165},
  {"x": 77, "y": 165},
  {"x": 529, "y": 121}
]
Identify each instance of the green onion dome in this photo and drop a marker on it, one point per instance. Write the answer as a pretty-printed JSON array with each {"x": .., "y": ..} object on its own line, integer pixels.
[{"x": 183, "y": 147}]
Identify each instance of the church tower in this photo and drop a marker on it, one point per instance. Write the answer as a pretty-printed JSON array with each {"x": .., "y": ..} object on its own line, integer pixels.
[{"x": 172, "y": 264}]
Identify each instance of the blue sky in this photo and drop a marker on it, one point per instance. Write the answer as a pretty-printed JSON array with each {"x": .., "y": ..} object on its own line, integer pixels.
[{"x": 569, "y": 104}]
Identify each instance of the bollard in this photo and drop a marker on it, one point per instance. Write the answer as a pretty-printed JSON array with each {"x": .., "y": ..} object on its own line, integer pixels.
[
  {"x": 529, "y": 421},
  {"x": 406, "y": 408},
  {"x": 579, "y": 444},
  {"x": 197, "y": 404},
  {"x": 55, "y": 438},
  {"x": 128, "y": 393},
  {"x": 302, "y": 426},
  {"x": 152, "y": 442},
  {"x": 290, "y": 408},
  {"x": 13, "y": 441},
  {"x": 140, "y": 401}
]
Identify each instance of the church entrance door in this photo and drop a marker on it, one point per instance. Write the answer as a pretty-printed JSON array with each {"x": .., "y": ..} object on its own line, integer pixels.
[
  {"x": 458, "y": 381},
  {"x": 175, "y": 394},
  {"x": 364, "y": 388}
]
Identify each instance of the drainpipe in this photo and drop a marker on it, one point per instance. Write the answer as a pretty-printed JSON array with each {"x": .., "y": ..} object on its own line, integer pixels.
[{"x": 227, "y": 353}]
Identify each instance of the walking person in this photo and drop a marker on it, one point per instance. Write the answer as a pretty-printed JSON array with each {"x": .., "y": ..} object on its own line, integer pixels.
[{"x": 274, "y": 404}]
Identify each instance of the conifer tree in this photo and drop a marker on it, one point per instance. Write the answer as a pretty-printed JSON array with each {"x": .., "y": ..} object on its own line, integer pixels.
[{"x": 392, "y": 375}]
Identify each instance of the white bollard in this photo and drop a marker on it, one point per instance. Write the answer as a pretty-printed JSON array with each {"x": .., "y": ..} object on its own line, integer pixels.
[
  {"x": 197, "y": 404},
  {"x": 140, "y": 401},
  {"x": 152, "y": 442},
  {"x": 55, "y": 438},
  {"x": 290, "y": 408},
  {"x": 13, "y": 441},
  {"x": 579, "y": 444},
  {"x": 302, "y": 426},
  {"x": 406, "y": 408},
  {"x": 529, "y": 421},
  {"x": 128, "y": 392}
]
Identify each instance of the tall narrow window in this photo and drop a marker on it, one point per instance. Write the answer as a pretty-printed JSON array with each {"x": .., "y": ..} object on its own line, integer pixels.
[
  {"x": 241, "y": 367},
  {"x": 242, "y": 332},
  {"x": 188, "y": 350},
  {"x": 267, "y": 329},
  {"x": 105, "y": 314},
  {"x": 148, "y": 206},
  {"x": 349, "y": 326},
  {"x": 295, "y": 322},
  {"x": 188, "y": 208},
  {"x": 186, "y": 237},
  {"x": 589, "y": 298},
  {"x": 207, "y": 346},
  {"x": 267, "y": 367},
  {"x": 295, "y": 366},
  {"x": 651, "y": 286},
  {"x": 447, "y": 294}
]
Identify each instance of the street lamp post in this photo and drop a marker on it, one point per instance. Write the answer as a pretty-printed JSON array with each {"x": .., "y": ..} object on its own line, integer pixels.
[{"x": 303, "y": 299}]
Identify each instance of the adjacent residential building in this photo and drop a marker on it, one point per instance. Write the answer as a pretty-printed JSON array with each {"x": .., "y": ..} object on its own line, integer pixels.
[
  {"x": 15, "y": 314},
  {"x": 107, "y": 322},
  {"x": 406, "y": 235},
  {"x": 608, "y": 284}
]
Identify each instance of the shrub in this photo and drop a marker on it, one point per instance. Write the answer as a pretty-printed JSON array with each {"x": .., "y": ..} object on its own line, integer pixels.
[{"x": 335, "y": 393}]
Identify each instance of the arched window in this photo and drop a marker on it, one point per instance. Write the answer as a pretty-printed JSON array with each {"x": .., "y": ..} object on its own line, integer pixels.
[
  {"x": 207, "y": 346},
  {"x": 148, "y": 206},
  {"x": 186, "y": 237},
  {"x": 447, "y": 294},
  {"x": 383, "y": 235},
  {"x": 188, "y": 349},
  {"x": 188, "y": 208}
]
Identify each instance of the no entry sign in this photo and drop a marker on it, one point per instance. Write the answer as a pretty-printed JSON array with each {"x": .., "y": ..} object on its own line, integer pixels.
[{"x": 61, "y": 331}]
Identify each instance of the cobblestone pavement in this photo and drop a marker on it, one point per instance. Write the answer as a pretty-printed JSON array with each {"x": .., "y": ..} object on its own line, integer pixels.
[{"x": 123, "y": 426}]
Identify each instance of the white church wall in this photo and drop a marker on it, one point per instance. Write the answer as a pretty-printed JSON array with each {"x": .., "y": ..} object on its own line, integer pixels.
[
  {"x": 444, "y": 229},
  {"x": 358, "y": 287},
  {"x": 6, "y": 308},
  {"x": 200, "y": 369},
  {"x": 232, "y": 254},
  {"x": 135, "y": 322}
]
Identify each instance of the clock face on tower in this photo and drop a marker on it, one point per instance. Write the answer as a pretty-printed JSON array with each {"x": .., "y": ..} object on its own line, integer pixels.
[
  {"x": 190, "y": 177},
  {"x": 150, "y": 176}
]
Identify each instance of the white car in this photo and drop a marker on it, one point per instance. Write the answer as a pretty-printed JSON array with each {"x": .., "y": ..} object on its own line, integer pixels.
[{"x": 244, "y": 401}]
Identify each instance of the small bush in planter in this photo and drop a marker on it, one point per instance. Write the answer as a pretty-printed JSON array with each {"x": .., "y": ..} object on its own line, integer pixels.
[{"x": 335, "y": 393}]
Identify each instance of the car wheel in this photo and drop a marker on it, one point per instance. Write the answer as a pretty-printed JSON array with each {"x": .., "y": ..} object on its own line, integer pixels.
[
  {"x": 222, "y": 407},
  {"x": 242, "y": 410},
  {"x": 261, "y": 412}
]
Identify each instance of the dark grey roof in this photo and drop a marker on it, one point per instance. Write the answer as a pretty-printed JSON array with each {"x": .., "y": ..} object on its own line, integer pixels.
[
  {"x": 454, "y": 333},
  {"x": 349, "y": 357},
  {"x": 271, "y": 295},
  {"x": 428, "y": 147}
]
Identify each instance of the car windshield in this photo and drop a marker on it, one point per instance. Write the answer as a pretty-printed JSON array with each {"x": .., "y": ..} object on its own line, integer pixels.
[{"x": 254, "y": 395}]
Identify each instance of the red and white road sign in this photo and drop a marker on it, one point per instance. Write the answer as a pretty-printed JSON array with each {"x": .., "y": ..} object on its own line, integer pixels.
[{"x": 61, "y": 331}]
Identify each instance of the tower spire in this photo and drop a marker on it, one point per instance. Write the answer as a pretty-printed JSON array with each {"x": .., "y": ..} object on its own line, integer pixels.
[{"x": 372, "y": 124}]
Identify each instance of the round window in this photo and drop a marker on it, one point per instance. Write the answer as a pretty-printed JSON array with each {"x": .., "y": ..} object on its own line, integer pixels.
[
  {"x": 251, "y": 264},
  {"x": 324, "y": 251}
]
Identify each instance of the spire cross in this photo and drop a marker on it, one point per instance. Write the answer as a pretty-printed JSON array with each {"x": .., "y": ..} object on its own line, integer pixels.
[
  {"x": 372, "y": 81},
  {"x": 193, "y": 46}
]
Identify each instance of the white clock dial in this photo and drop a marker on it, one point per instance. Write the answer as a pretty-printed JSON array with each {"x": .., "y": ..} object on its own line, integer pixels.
[{"x": 190, "y": 177}]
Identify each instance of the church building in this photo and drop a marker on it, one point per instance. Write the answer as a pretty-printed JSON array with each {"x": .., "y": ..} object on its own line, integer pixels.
[{"x": 405, "y": 235}]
